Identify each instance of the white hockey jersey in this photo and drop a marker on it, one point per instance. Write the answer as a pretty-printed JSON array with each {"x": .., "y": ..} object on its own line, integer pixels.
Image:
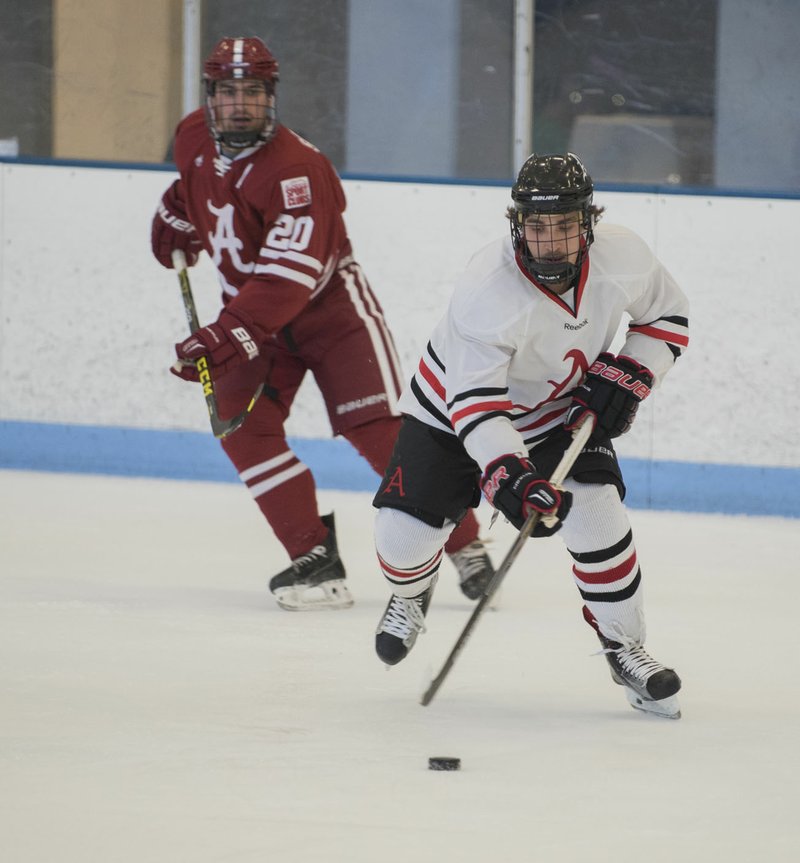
[{"x": 501, "y": 364}]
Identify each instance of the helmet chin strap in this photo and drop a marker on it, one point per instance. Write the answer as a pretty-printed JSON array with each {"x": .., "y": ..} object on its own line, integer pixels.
[
  {"x": 240, "y": 140},
  {"x": 549, "y": 274},
  {"x": 546, "y": 274},
  {"x": 554, "y": 272}
]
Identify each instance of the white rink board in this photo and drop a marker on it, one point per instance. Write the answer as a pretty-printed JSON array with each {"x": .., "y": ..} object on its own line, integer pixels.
[{"x": 88, "y": 318}]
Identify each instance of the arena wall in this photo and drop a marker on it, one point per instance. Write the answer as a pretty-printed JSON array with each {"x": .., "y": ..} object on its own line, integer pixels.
[{"x": 88, "y": 320}]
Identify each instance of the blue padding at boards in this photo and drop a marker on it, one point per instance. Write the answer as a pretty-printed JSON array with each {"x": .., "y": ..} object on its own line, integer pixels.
[{"x": 185, "y": 455}]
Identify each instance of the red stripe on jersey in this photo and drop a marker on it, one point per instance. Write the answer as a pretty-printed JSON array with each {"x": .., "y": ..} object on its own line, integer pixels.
[
  {"x": 411, "y": 573},
  {"x": 664, "y": 335},
  {"x": 434, "y": 382},
  {"x": 544, "y": 420},
  {"x": 607, "y": 576},
  {"x": 480, "y": 407}
]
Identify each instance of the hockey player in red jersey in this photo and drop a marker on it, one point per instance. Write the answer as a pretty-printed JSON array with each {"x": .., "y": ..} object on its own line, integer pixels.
[
  {"x": 519, "y": 359},
  {"x": 267, "y": 207}
]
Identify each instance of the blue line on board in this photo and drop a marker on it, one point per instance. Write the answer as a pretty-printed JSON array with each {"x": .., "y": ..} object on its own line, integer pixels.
[{"x": 186, "y": 455}]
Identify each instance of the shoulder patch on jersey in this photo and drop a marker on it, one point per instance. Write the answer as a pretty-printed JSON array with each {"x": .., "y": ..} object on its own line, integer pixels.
[{"x": 296, "y": 192}]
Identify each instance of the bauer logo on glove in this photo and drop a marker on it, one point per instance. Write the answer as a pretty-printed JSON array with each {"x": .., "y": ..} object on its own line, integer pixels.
[
  {"x": 171, "y": 230},
  {"x": 611, "y": 391},
  {"x": 246, "y": 341},
  {"x": 225, "y": 344},
  {"x": 635, "y": 385}
]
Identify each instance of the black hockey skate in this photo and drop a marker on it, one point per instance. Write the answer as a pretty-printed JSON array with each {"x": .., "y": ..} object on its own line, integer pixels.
[
  {"x": 315, "y": 580},
  {"x": 402, "y": 622},
  {"x": 649, "y": 686},
  {"x": 474, "y": 567}
]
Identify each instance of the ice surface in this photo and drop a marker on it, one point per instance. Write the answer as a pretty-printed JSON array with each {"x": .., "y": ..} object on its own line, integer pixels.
[{"x": 157, "y": 705}]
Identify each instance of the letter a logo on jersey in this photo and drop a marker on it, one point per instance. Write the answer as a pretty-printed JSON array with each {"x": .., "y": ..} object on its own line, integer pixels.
[
  {"x": 224, "y": 238},
  {"x": 396, "y": 482}
]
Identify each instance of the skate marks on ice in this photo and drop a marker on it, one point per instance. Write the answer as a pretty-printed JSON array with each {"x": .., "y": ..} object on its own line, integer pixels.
[{"x": 158, "y": 706}]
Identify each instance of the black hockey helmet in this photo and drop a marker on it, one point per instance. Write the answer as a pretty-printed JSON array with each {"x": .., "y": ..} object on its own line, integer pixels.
[{"x": 549, "y": 184}]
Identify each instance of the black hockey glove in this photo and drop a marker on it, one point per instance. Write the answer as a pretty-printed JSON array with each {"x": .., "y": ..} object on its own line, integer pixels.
[
  {"x": 611, "y": 390},
  {"x": 512, "y": 485}
]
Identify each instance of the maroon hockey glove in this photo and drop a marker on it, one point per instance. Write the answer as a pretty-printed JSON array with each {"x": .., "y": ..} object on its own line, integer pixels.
[
  {"x": 172, "y": 230},
  {"x": 226, "y": 344},
  {"x": 512, "y": 485},
  {"x": 612, "y": 390}
]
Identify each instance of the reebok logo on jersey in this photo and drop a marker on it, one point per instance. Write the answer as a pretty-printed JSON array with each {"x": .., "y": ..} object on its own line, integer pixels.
[
  {"x": 577, "y": 326},
  {"x": 296, "y": 192}
]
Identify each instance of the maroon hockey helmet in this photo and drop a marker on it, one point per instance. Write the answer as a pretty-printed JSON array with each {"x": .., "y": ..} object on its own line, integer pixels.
[
  {"x": 547, "y": 184},
  {"x": 239, "y": 58}
]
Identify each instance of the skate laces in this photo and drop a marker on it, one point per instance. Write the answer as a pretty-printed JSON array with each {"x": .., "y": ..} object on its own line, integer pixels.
[
  {"x": 631, "y": 656},
  {"x": 636, "y": 662},
  {"x": 404, "y": 616},
  {"x": 317, "y": 554},
  {"x": 470, "y": 560}
]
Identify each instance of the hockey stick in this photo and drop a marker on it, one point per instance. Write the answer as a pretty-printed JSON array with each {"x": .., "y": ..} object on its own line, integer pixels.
[
  {"x": 579, "y": 439},
  {"x": 220, "y": 427}
]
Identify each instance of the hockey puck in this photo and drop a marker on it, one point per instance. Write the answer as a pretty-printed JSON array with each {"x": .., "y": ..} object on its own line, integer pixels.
[{"x": 444, "y": 764}]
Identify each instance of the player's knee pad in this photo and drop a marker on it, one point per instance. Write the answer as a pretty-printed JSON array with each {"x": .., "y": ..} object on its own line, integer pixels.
[{"x": 409, "y": 551}]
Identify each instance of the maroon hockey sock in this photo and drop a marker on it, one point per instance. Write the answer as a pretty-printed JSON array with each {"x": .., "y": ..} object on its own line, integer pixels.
[
  {"x": 375, "y": 441},
  {"x": 291, "y": 510},
  {"x": 282, "y": 486},
  {"x": 464, "y": 534}
]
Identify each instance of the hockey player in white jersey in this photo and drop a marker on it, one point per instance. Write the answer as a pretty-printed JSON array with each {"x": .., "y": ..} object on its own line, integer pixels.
[{"x": 519, "y": 359}]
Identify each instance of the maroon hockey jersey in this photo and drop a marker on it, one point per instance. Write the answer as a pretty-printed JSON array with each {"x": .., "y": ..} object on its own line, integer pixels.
[{"x": 270, "y": 220}]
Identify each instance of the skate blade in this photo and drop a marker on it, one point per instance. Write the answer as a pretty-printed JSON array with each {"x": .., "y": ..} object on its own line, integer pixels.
[
  {"x": 329, "y": 596},
  {"x": 666, "y": 707}
]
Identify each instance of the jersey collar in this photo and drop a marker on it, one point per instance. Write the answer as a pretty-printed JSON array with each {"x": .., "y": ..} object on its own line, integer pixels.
[{"x": 584, "y": 274}]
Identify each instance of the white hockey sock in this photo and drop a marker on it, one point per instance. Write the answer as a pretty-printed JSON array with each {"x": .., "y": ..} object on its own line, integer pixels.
[
  {"x": 606, "y": 569},
  {"x": 409, "y": 551}
]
